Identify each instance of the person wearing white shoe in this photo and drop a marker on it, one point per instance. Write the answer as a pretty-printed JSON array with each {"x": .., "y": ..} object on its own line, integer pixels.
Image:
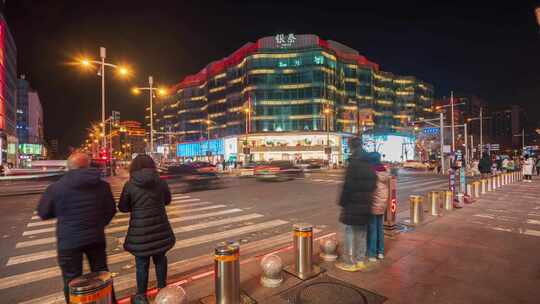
[
  {"x": 378, "y": 207},
  {"x": 528, "y": 165}
]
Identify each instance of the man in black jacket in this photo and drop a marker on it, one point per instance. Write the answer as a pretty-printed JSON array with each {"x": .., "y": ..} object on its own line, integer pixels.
[{"x": 83, "y": 205}]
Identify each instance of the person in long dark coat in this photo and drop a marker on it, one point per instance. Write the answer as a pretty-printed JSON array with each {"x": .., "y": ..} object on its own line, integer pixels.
[
  {"x": 83, "y": 205},
  {"x": 149, "y": 234},
  {"x": 355, "y": 201}
]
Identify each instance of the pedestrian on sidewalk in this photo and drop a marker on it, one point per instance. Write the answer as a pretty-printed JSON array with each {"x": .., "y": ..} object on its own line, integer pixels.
[
  {"x": 375, "y": 239},
  {"x": 355, "y": 201},
  {"x": 485, "y": 165},
  {"x": 528, "y": 166},
  {"x": 538, "y": 166},
  {"x": 83, "y": 205},
  {"x": 149, "y": 235}
]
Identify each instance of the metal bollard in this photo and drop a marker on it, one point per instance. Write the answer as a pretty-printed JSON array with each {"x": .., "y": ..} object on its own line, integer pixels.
[
  {"x": 470, "y": 190},
  {"x": 227, "y": 273},
  {"x": 461, "y": 199},
  {"x": 505, "y": 179},
  {"x": 171, "y": 295},
  {"x": 94, "y": 287},
  {"x": 271, "y": 267},
  {"x": 498, "y": 180},
  {"x": 489, "y": 185},
  {"x": 494, "y": 182},
  {"x": 328, "y": 249},
  {"x": 448, "y": 203},
  {"x": 417, "y": 210},
  {"x": 433, "y": 199},
  {"x": 303, "y": 267},
  {"x": 476, "y": 189},
  {"x": 483, "y": 189}
]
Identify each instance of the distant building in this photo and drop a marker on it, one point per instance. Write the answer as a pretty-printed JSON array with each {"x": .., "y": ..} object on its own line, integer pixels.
[
  {"x": 29, "y": 114},
  {"x": 128, "y": 138},
  {"x": 8, "y": 88},
  {"x": 287, "y": 97},
  {"x": 505, "y": 124},
  {"x": 29, "y": 121}
]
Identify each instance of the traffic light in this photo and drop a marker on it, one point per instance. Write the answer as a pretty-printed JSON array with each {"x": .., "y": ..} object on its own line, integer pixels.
[{"x": 103, "y": 154}]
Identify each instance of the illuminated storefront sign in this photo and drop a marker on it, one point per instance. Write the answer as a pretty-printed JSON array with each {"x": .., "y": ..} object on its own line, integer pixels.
[
  {"x": 202, "y": 148},
  {"x": 30, "y": 149},
  {"x": 393, "y": 148}
]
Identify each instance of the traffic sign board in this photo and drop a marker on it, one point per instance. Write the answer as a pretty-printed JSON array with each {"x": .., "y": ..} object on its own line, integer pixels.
[{"x": 431, "y": 130}]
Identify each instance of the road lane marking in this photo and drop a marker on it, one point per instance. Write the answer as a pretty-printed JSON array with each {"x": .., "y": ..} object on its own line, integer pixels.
[
  {"x": 171, "y": 207},
  {"x": 42, "y": 274}
]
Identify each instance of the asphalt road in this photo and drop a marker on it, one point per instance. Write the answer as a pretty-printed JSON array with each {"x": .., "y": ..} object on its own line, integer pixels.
[{"x": 258, "y": 214}]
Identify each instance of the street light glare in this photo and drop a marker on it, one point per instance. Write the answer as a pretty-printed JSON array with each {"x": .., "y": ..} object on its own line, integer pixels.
[
  {"x": 537, "y": 12},
  {"x": 162, "y": 92},
  {"x": 123, "y": 71},
  {"x": 136, "y": 91},
  {"x": 85, "y": 62}
]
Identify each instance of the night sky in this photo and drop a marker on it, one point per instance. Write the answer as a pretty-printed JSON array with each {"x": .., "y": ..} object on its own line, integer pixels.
[{"x": 490, "y": 49}]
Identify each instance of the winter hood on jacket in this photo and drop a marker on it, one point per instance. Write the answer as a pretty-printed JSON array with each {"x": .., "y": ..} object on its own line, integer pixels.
[
  {"x": 145, "y": 178},
  {"x": 81, "y": 178}
]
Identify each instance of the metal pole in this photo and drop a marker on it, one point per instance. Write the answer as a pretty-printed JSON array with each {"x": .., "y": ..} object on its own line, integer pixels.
[
  {"x": 453, "y": 133},
  {"x": 466, "y": 146},
  {"x": 103, "y": 54},
  {"x": 443, "y": 165},
  {"x": 522, "y": 141},
  {"x": 481, "y": 134},
  {"x": 151, "y": 83},
  {"x": 472, "y": 146}
]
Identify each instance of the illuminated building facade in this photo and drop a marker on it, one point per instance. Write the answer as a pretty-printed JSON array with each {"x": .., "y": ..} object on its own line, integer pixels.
[
  {"x": 288, "y": 85},
  {"x": 8, "y": 88}
]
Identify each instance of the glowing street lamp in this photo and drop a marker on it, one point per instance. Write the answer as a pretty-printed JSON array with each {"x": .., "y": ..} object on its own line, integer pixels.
[
  {"x": 159, "y": 92},
  {"x": 121, "y": 70}
]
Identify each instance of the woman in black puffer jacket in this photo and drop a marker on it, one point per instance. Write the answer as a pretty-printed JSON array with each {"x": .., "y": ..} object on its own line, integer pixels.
[{"x": 145, "y": 195}]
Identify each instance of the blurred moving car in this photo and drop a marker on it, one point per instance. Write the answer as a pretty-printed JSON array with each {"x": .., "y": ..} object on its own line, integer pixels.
[
  {"x": 310, "y": 164},
  {"x": 191, "y": 176},
  {"x": 248, "y": 170},
  {"x": 278, "y": 171},
  {"x": 417, "y": 165}
]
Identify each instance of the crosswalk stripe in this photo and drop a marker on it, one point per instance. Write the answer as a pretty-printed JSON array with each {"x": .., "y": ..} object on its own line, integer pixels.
[
  {"x": 173, "y": 213},
  {"x": 46, "y": 254},
  {"x": 173, "y": 201},
  {"x": 172, "y": 207},
  {"x": 46, "y": 273},
  {"x": 52, "y": 239},
  {"x": 531, "y": 232},
  {"x": 533, "y": 222},
  {"x": 127, "y": 281}
]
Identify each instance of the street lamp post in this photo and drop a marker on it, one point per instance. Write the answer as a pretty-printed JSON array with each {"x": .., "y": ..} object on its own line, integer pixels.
[
  {"x": 151, "y": 90},
  {"x": 102, "y": 64}
]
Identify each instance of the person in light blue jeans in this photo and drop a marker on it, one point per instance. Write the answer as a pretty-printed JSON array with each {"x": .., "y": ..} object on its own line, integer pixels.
[
  {"x": 375, "y": 239},
  {"x": 355, "y": 202}
]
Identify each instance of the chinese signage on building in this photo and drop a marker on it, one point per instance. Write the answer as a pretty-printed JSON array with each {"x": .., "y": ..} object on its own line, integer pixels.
[{"x": 285, "y": 40}]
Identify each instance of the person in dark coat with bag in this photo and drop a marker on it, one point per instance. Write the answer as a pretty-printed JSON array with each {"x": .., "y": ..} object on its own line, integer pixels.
[
  {"x": 149, "y": 234},
  {"x": 355, "y": 201},
  {"x": 83, "y": 205}
]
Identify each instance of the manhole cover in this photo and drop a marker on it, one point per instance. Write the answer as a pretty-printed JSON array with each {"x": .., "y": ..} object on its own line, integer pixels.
[
  {"x": 329, "y": 292},
  {"x": 325, "y": 289}
]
